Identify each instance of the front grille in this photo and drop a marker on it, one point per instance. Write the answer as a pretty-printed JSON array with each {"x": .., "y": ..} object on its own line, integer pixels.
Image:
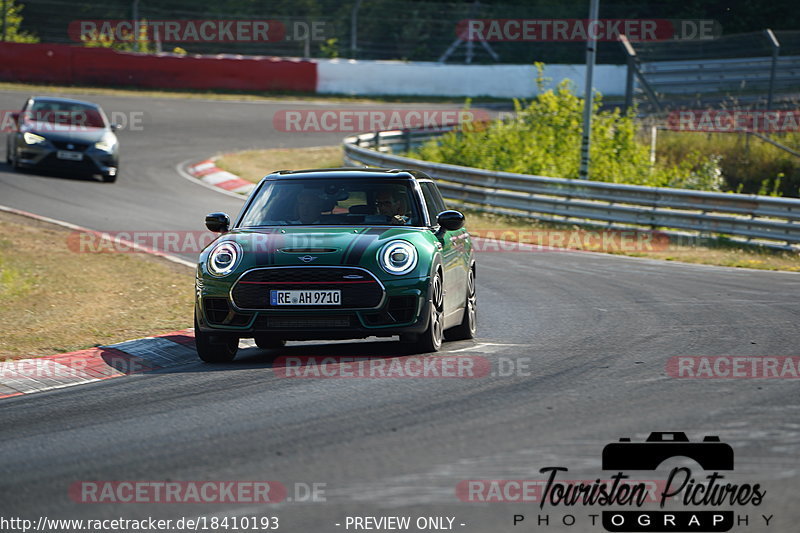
[
  {"x": 52, "y": 161},
  {"x": 252, "y": 291},
  {"x": 76, "y": 147},
  {"x": 216, "y": 309},
  {"x": 402, "y": 308},
  {"x": 219, "y": 312},
  {"x": 399, "y": 310},
  {"x": 303, "y": 322}
]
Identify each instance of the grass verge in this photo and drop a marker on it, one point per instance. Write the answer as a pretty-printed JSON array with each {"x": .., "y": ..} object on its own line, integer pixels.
[
  {"x": 55, "y": 300},
  {"x": 252, "y": 165}
]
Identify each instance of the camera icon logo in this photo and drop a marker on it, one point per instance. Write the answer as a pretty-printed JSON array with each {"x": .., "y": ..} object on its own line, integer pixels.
[{"x": 710, "y": 454}]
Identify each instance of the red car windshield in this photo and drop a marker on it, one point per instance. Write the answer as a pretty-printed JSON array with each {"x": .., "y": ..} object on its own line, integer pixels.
[{"x": 65, "y": 114}]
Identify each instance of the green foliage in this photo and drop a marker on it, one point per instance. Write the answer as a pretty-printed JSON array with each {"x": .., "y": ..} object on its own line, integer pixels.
[
  {"x": 544, "y": 138},
  {"x": 748, "y": 164},
  {"x": 13, "y": 22},
  {"x": 127, "y": 43},
  {"x": 330, "y": 48}
]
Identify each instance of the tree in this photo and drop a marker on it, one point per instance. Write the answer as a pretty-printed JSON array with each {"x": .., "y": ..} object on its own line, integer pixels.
[{"x": 12, "y": 20}]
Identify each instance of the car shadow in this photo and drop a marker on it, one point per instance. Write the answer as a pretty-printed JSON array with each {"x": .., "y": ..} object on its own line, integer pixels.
[
  {"x": 66, "y": 175},
  {"x": 277, "y": 359},
  {"x": 252, "y": 357}
]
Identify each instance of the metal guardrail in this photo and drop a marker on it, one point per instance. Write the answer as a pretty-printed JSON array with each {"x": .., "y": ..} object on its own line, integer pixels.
[
  {"x": 769, "y": 220},
  {"x": 718, "y": 75}
]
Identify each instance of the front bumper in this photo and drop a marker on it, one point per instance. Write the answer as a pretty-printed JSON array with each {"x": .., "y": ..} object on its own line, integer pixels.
[
  {"x": 403, "y": 308},
  {"x": 45, "y": 157}
]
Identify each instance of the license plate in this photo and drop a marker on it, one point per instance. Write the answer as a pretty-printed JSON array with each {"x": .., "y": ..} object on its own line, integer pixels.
[
  {"x": 329, "y": 297},
  {"x": 70, "y": 156}
]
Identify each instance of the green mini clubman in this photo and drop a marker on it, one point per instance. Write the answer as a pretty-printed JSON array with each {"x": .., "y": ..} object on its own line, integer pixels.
[{"x": 336, "y": 254}]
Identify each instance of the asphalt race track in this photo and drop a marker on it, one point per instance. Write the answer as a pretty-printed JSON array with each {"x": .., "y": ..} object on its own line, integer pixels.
[{"x": 588, "y": 337}]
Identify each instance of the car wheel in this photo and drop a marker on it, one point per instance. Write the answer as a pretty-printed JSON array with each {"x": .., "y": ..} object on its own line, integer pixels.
[
  {"x": 431, "y": 339},
  {"x": 268, "y": 342},
  {"x": 214, "y": 351},
  {"x": 469, "y": 324},
  {"x": 109, "y": 179}
]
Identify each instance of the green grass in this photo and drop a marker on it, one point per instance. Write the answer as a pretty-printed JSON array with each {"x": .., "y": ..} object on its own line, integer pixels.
[{"x": 56, "y": 300}]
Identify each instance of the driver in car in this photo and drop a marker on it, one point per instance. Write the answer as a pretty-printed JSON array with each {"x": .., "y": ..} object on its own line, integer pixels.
[
  {"x": 309, "y": 207},
  {"x": 392, "y": 203}
]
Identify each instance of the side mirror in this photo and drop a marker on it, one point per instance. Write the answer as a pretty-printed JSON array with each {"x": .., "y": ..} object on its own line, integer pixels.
[
  {"x": 450, "y": 220},
  {"x": 218, "y": 222},
  {"x": 115, "y": 127}
]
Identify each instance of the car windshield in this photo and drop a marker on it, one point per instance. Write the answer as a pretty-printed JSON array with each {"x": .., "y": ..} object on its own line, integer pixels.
[
  {"x": 326, "y": 202},
  {"x": 69, "y": 114}
]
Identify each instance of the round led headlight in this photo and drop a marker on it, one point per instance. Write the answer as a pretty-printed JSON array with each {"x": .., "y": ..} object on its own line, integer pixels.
[
  {"x": 223, "y": 258},
  {"x": 398, "y": 257}
]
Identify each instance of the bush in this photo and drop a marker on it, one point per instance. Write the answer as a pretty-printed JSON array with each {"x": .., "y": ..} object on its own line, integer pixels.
[
  {"x": 544, "y": 138},
  {"x": 749, "y": 166}
]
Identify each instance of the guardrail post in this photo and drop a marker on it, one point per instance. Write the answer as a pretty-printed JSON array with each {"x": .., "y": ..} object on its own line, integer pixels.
[
  {"x": 591, "y": 51},
  {"x": 776, "y": 48},
  {"x": 631, "y": 61},
  {"x": 407, "y": 138},
  {"x": 377, "y": 139},
  {"x": 354, "y": 29}
]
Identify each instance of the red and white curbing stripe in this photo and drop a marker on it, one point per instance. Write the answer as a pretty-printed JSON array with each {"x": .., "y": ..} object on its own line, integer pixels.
[
  {"x": 209, "y": 173},
  {"x": 26, "y": 376}
]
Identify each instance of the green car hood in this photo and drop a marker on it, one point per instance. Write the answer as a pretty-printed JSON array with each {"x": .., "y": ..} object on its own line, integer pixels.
[{"x": 327, "y": 246}]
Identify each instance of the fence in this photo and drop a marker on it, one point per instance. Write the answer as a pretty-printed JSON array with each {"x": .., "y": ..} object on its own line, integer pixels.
[
  {"x": 757, "y": 69},
  {"x": 774, "y": 222}
]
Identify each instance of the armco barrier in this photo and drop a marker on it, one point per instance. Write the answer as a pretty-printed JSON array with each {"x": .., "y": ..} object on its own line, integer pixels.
[
  {"x": 55, "y": 63},
  {"x": 773, "y": 221}
]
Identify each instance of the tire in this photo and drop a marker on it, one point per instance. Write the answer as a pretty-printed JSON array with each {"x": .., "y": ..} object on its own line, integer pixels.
[
  {"x": 431, "y": 339},
  {"x": 268, "y": 342},
  {"x": 109, "y": 179},
  {"x": 469, "y": 324},
  {"x": 211, "y": 351}
]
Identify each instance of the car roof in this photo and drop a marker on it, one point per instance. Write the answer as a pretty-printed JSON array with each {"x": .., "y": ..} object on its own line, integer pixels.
[
  {"x": 63, "y": 100},
  {"x": 348, "y": 173}
]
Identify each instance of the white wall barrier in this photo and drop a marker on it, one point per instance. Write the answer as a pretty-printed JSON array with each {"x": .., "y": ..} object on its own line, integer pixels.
[{"x": 358, "y": 77}]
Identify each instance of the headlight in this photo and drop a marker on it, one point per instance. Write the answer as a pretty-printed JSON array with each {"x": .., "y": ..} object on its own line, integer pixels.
[
  {"x": 105, "y": 144},
  {"x": 223, "y": 258},
  {"x": 32, "y": 138},
  {"x": 398, "y": 257}
]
